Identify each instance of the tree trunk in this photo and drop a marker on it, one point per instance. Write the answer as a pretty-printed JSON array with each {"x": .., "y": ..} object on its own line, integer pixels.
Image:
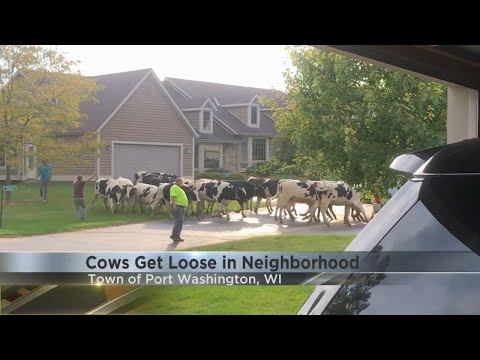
[{"x": 8, "y": 181}]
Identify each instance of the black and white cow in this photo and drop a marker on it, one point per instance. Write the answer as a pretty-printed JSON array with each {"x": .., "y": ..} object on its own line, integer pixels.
[
  {"x": 221, "y": 193},
  {"x": 126, "y": 186},
  {"x": 251, "y": 190},
  {"x": 155, "y": 179},
  {"x": 152, "y": 178},
  {"x": 256, "y": 180},
  {"x": 290, "y": 191},
  {"x": 341, "y": 194},
  {"x": 192, "y": 197},
  {"x": 144, "y": 194},
  {"x": 109, "y": 190}
]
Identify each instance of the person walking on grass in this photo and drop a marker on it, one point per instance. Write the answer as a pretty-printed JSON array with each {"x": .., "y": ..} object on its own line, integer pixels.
[
  {"x": 44, "y": 174},
  {"x": 78, "y": 197},
  {"x": 178, "y": 203}
]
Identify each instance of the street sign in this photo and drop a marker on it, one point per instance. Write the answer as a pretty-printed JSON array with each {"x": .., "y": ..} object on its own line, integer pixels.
[{"x": 5, "y": 188}]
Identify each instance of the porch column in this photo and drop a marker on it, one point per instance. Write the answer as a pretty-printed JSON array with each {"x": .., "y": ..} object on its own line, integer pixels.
[{"x": 462, "y": 114}]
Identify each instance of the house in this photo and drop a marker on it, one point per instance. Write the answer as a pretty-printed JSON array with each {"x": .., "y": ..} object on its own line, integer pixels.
[
  {"x": 176, "y": 126},
  {"x": 139, "y": 124},
  {"x": 235, "y": 130}
]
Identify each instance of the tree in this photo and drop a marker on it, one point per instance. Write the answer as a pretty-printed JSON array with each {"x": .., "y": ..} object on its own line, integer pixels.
[
  {"x": 353, "y": 118},
  {"x": 283, "y": 148},
  {"x": 40, "y": 99}
]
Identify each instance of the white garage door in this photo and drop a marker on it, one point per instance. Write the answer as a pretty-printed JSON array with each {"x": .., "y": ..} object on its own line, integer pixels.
[{"x": 130, "y": 158}]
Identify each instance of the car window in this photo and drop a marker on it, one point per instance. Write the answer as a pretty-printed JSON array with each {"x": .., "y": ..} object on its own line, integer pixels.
[{"x": 418, "y": 230}]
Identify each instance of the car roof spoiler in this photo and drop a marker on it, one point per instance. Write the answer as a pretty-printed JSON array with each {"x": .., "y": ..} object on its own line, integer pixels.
[{"x": 410, "y": 162}]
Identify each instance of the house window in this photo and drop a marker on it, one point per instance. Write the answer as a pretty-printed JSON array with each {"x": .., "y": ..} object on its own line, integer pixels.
[
  {"x": 259, "y": 149},
  {"x": 254, "y": 115},
  {"x": 206, "y": 121},
  {"x": 211, "y": 156}
]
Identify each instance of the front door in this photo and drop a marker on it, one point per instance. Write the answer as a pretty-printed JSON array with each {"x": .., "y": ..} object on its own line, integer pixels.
[{"x": 30, "y": 161}]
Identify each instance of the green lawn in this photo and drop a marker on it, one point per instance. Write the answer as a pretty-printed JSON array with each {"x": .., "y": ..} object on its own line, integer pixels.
[
  {"x": 242, "y": 300},
  {"x": 27, "y": 215}
]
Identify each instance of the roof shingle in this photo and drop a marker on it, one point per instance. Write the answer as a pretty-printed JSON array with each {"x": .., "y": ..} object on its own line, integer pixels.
[{"x": 116, "y": 88}]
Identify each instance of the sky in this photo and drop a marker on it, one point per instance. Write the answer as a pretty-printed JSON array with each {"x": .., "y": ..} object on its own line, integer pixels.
[{"x": 259, "y": 66}]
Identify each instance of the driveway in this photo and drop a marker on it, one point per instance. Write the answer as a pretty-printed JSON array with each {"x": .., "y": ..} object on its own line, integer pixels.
[{"x": 154, "y": 235}]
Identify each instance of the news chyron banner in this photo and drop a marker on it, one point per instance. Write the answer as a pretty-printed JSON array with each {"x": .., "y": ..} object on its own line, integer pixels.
[{"x": 220, "y": 268}]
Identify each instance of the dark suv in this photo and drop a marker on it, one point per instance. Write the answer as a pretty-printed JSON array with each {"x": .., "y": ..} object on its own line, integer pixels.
[{"x": 437, "y": 210}]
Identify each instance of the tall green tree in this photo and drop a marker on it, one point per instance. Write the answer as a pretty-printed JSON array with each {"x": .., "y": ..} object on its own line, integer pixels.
[
  {"x": 353, "y": 118},
  {"x": 40, "y": 96}
]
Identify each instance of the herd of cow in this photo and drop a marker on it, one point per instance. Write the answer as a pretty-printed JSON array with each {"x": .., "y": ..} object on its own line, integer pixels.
[{"x": 153, "y": 189}]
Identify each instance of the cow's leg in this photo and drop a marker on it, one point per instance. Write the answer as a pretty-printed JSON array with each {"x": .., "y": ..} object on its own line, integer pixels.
[
  {"x": 280, "y": 215},
  {"x": 223, "y": 208},
  {"x": 277, "y": 207},
  {"x": 198, "y": 209},
  {"x": 268, "y": 203},
  {"x": 333, "y": 212},
  {"x": 362, "y": 211},
  {"x": 293, "y": 209},
  {"x": 241, "y": 209},
  {"x": 141, "y": 207},
  {"x": 112, "y": 205},
  {"x": 311, "y": 210},
  {"x": 105, "y": 203},
  {"x": 346, "y": 216},
  {"x": 323, "y": 210},
  {"x": 259, "y": 200},
  {"x": 93, "y": 202}
]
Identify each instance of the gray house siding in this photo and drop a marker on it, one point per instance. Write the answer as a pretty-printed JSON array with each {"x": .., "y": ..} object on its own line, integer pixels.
[{"x": 147, "y": 116}]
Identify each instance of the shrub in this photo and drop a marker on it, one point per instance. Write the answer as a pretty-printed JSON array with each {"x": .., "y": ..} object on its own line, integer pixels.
[
  {"x": 210, "y": 175},
  {"x": 217, "y": 170},
  {"x": 235, "y": 176},
  {"x": 264, "y": 168}
]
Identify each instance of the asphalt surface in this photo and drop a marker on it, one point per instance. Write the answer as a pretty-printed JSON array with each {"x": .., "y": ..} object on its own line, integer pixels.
[{"x": 154, "y": 235}]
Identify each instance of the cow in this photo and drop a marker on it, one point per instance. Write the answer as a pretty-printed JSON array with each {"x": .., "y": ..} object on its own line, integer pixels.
[
  {"x": 188, "y": 182},
  {"x": 150, "y": 178},
  {"x": 109, "y": 190},
  {"x": 339, "y": 193},
  {"x": 266, "y": 189},
  {"x": 196, "y": 186},
  {"x": 221, "y": 193},
  {"x": 144, "y": 194},
  {"x": 250, "y": 189},
  {"x": 155, "y": 179},
  {"x": 126, "y": 186},
  {"x": 192, "y": 196},
  {"x": 290, "y": 191},
  {"x": 256, "y": 180}
]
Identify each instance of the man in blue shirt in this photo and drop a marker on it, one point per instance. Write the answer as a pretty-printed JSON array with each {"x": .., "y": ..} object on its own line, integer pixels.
[{"x": 44, "y": 173}]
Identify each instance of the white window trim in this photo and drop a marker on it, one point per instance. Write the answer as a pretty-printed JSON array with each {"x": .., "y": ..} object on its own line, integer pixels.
[
  {"x": 201, "y": 158},
  {"x": 257, "y": 125},
  {"x": 209, "y": 131},
  {"x": 250, "y": 150}
]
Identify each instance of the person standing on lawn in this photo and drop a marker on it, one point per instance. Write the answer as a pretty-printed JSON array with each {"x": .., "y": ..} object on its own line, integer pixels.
[{"x": 78, "y": 197}]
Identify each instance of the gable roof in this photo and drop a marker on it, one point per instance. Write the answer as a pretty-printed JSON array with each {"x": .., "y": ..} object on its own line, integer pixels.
[
  {"x": 220, "y": 134},
  {"x": 116, "y": 90},
  {"x": 225, "y": 94},
  {"x": 200, "y": 91}
]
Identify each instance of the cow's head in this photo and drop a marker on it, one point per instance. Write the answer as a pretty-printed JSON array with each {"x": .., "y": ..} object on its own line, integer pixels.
[
  {"x": 116, "y": 194},
  {"x": 260, "y": 192}
]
